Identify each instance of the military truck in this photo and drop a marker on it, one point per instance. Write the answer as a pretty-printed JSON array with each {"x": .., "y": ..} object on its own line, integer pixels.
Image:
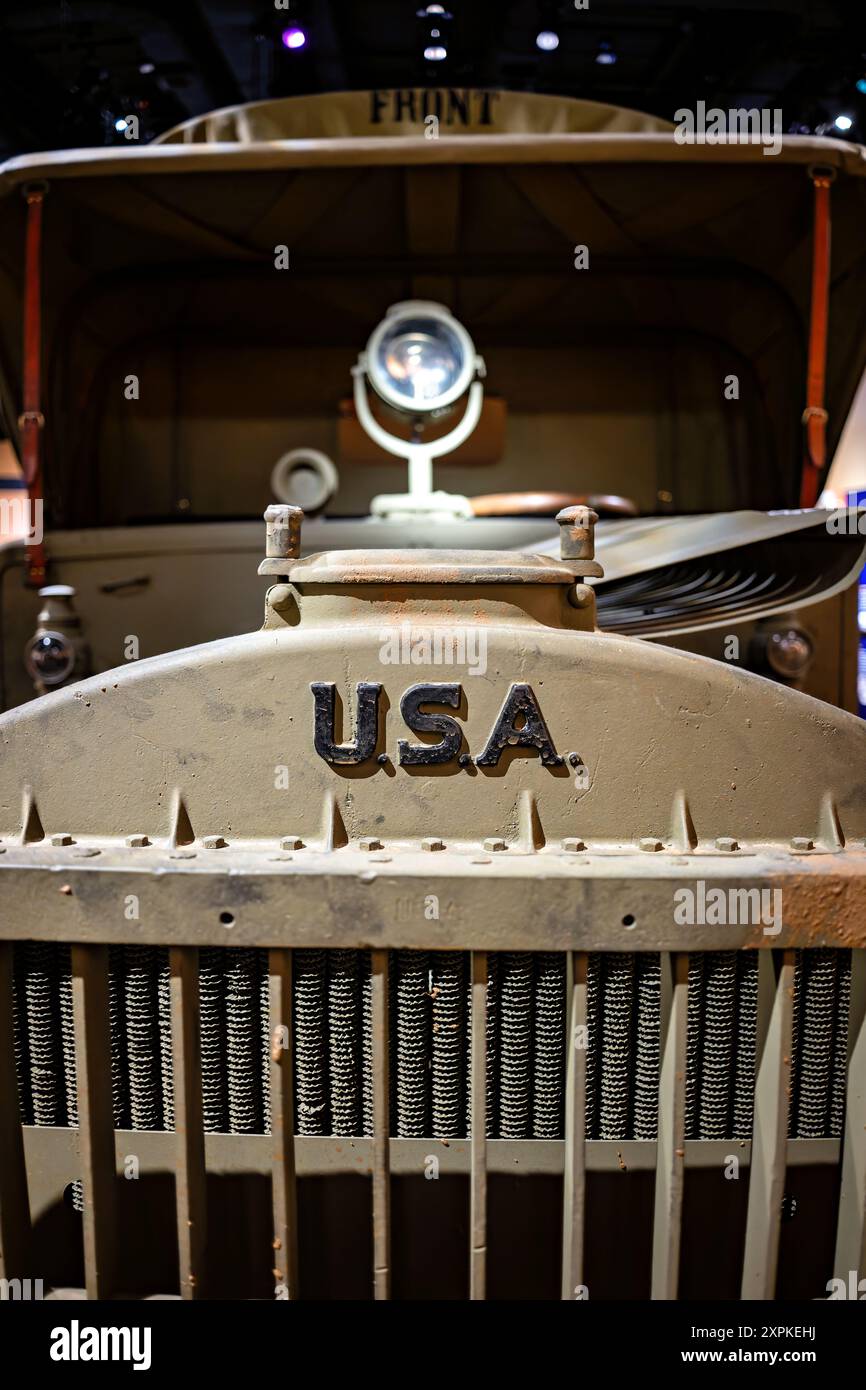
[
  {"x": 540, "y": 973},
  {"x": 645, "y": 311},
  {"x": 323, "y": 975}
]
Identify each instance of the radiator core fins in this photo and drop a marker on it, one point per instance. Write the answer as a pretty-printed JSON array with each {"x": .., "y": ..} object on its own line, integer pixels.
[{"x": 430, "y": 1042}]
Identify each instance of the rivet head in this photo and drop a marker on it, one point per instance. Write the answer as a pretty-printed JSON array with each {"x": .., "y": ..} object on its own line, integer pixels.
[
  {"x": 214, "y": 842},
  {"x": 137, "y": 841},
  {"x": 493, "y": 844},
  {"x": 370, "y": 842},
  {"x": 432, "y": 843},
  {"x": 727, "y": 843},
  {"x": 573, "y": 845},
  {"x": 650, "y": 845},
  {"x": 801, "y": 843},
  {"x": 59, "y": 840},
  {"x": 291, "y": 842}
]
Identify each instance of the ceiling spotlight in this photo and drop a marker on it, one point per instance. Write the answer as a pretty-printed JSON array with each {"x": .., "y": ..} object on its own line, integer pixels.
[
  {"x": 293, "y": 38},
  {"x": 435, "y": 53},
  {"x": 843, "y": 123},
  {"x": 432, "y": 9},
  {"x": 605, "y": 55},
  {"x": 120, "y": 124},
  {"x": 145, "y": 69},
  {"x": 547, "y": 41}
]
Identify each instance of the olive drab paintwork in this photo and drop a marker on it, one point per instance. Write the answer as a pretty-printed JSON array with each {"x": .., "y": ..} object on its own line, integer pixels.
[
  {"x": 205, "y": 728},
  {"x": 248, "y": 822}
]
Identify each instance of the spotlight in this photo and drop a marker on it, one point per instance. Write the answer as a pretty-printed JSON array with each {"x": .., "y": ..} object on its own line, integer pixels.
[
  {"x": 145, "y": 69},
  {"x": 843, "y": 123},
  {"x": 120, "y": 124},
  {"x": 293, "y": 38},
  {"x": 435, "y": 52},
  {"x": 419, "y": 360},
  {"x": 605, "y": 55},
  {"x": 547, "y": 41},
  {"x": 433, "y": 10}
]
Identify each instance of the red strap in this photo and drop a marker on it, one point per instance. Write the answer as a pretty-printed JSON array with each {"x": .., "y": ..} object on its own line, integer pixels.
[
  {"x": 32, "y": 420},
  {"x": 815, "y": 415}
]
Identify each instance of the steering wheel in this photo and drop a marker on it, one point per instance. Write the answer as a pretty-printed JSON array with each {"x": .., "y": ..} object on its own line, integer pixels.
[{"x": 549, "y": 503}]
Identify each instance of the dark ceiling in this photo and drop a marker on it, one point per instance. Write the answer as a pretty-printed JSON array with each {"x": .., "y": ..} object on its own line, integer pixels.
[{"x": 70, "y": 71}]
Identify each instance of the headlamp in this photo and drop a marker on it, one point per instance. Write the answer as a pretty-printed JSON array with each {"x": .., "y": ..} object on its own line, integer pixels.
[
  {"x": 50, "y": 658},
  {"x": 420, "y": 359}
]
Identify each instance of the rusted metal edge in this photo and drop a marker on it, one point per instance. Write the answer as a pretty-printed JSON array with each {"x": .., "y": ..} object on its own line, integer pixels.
[{"x": 382, "y": 907}]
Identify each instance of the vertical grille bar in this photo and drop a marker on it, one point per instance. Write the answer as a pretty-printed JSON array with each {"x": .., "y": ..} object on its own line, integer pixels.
[
  {"x": 670, "y": 1147},
  {"x": 770, "y": 1125},
  {"x": 381, "y": 1127},
  {"x": 478, "y": 1121},
  {"x": 190, "y": 1177},
  {"x": 282, "y": 1090},
  {"x": 90, "y": 1006},
  {"x": 851, "y": 1230},
  {"x": 14, "y": 1200},
  {"x": 574, "y": 1188}
]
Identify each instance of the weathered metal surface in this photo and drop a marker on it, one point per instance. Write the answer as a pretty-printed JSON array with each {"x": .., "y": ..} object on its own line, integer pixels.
[
  {"x": 770, "y": 1129},
  {"x": 671, "y": 1152},
  {"x": 95, "y": 1118},
  {"x": 574, "y": 1164},
  {"x": 53, "y": 1161},
  {"x": 431, "y": 567},
  {"x": 583, "y": 794},
  {"x": 190, "y": 1176},
  {"x": 652, "y": 728},
  {"x": 381, "y": 1127},
  {"x": 478, "y": 1130},
  {"x": 282, "y": 1136},
  {"x": 552, "y": 900}
]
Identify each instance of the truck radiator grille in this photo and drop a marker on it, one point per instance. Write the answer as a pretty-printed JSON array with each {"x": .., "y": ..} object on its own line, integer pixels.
[
  {"x": 583, "y": 1110},
  {"x": 430, "y": 1039}
]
